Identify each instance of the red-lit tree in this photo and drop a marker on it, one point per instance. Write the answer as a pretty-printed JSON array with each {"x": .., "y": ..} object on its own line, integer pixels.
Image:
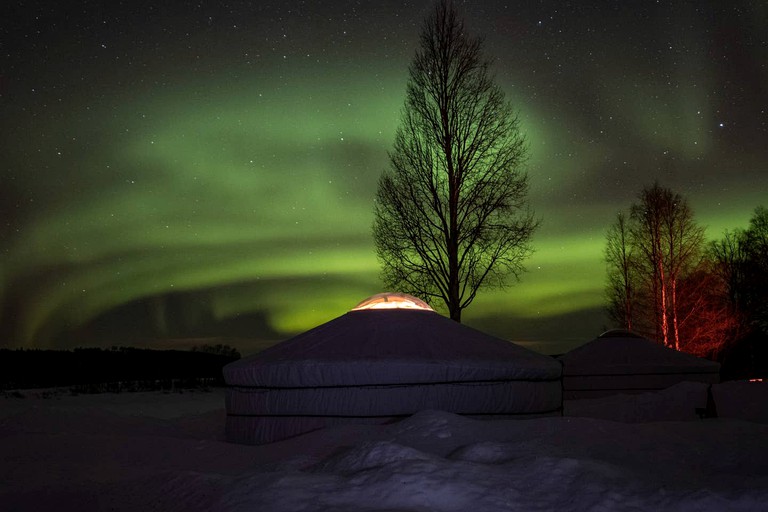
[
  {"x": 708, "y": 320},
  {"x": 668, "y": 244},
  {"x": 740, "y": 259},
  {"x": 657, "y": 284}
]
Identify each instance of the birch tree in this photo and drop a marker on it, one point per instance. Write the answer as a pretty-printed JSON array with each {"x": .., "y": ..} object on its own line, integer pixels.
[{"x": 648, "y": 256}]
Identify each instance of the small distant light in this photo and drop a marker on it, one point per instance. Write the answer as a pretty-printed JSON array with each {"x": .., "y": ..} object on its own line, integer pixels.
[{"x": 721, "y": 125}]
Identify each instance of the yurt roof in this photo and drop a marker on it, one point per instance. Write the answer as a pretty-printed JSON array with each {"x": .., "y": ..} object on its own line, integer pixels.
[
  {"x": 369, "y": 346},
  {"x": 624, "y": 352}
]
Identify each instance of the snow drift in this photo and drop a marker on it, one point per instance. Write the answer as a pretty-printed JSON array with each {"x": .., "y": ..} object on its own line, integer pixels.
[{"x": 155, "y": 451}]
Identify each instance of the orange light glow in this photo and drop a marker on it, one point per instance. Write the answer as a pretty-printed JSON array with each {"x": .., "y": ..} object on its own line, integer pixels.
[{"x": 391, "y": 300}]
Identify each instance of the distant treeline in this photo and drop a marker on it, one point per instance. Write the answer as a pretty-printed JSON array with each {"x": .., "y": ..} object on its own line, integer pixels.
[{"x": 116, "y": 368}]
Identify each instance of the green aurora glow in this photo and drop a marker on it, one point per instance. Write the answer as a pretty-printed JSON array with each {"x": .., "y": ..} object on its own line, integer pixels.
[{"x": 247, "y": 182}]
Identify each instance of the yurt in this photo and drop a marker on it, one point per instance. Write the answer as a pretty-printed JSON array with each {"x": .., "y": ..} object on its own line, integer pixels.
[
  {"x": 387, "y": 358},
  {"x": 620, "y": 361}
]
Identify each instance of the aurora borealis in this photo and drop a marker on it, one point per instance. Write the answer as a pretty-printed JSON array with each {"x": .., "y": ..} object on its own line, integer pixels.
[{"x": 190, "y": 169}]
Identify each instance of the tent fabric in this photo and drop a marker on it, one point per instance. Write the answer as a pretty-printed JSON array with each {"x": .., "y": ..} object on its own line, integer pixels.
[
  {"x": 389, "y": 347},
  {"x": 262, "y": 416},
  {"x": 376, "y": 365},
  {"x": 494, "y": 397},
  {"x": 620, "y": 361}
]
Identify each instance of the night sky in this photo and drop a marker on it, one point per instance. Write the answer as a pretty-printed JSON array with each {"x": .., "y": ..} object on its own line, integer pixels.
[{"x": 188, "y": 169}]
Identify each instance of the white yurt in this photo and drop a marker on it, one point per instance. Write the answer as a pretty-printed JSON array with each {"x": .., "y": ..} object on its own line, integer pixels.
[
  {"x": 389, "y": 357},
  {"x": 620, "y": 361}
]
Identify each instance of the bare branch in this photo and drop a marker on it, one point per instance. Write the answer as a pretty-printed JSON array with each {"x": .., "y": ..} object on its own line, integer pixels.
[{"x": 451, "y": 214}]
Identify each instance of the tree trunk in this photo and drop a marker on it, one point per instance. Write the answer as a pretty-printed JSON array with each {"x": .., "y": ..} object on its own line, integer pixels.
[
  {"x": 454, "y": 286},
  {"x": 676, "y": 332},
  {"x": 455, "y": 312},
  {"x": 628, "y": 298},
  {"x": 663, "y": 307}
]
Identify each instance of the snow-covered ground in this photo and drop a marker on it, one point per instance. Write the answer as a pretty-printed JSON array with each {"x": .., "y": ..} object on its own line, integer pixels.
[{"x": 156, "y": 451}]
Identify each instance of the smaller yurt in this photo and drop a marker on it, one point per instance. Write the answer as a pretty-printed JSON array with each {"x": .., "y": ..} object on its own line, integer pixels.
[
  {"x": 620, "y": 361},
  {"x": 388, "y": 358}
]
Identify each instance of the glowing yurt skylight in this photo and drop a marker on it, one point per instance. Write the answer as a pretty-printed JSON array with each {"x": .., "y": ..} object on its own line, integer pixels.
[{"x": 392, "y": 300}]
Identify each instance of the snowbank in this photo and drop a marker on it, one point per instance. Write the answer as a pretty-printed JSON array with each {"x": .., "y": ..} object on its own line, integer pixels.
[
  {"x": 742, "y": 400},
  {"x": 685, "y": 401},
  {"x": 155, "y": 451}
]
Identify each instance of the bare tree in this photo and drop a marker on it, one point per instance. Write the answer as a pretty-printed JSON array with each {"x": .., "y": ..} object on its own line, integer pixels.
[
  {"x": 730, "y": 257},
  {"x": 648, "y": 255},
  {"x": 619, "y": 257},
  {"x": 648, "y": 238},
  {"x": 707, "y": 321},
  {"x": 741, "y": 258},
  {"x": 451, "y": 214},
  {"x": 757, "y": 248},
  {"x": 685, "y": 241}
]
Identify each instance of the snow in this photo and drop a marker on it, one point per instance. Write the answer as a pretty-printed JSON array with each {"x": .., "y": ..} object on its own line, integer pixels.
[
  {"x": 165, "y": 451},
  {"x": 743, "y": 400},
  {"x": 676, "y": 403}
]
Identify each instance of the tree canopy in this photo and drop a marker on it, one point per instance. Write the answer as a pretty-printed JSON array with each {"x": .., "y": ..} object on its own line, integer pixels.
[{"x": 451, "y": 212}]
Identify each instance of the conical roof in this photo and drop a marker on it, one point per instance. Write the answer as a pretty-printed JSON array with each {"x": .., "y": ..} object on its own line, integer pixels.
[
  {"x": 390, "y": 346},
  {"x": 618, "y": 352}
]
